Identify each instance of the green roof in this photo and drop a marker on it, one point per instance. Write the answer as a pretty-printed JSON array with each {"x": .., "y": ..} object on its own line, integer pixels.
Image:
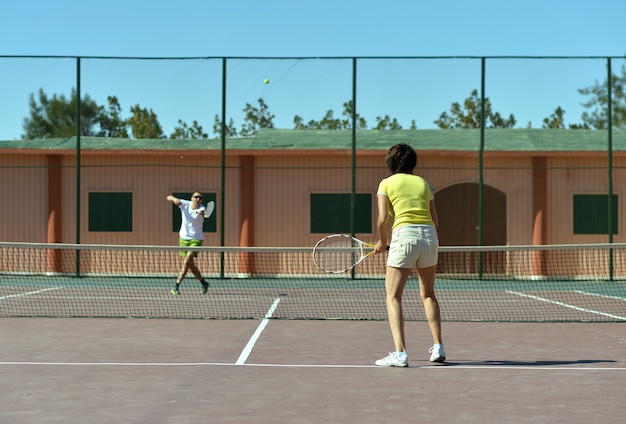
[
  {"x": 501, "y": 140},
  {"x": 505, "y": 140}
]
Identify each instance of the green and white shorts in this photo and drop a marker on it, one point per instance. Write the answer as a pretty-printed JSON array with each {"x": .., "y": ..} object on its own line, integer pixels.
[{"x": 188, "y": 243}]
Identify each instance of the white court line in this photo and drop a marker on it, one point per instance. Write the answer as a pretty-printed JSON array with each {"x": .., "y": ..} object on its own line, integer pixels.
[
  {"x": 604, "y": 296},
  {"x": 438, "y": 367},
  {"x": 246, "y": 351},
  {"x": 29, "y": 293},
  {"x": 554, "y": 302}
]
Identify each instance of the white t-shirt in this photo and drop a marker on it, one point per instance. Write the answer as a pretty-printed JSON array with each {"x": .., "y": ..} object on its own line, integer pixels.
[{"x": 192, "y": 220}]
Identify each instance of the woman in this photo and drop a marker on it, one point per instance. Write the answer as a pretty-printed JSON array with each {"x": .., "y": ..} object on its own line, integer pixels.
[{"x": 406, "y": 208}]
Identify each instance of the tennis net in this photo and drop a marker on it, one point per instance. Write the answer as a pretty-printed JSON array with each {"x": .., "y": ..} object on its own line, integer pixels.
[{"x": 558, "y": 283}]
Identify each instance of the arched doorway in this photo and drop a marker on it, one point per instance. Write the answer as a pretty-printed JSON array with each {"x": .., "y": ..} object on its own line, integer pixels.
[{"x": 457, "y": 209}]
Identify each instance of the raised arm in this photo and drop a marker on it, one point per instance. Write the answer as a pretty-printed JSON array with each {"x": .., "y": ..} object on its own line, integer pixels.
[{"x": 175, "y": 200}]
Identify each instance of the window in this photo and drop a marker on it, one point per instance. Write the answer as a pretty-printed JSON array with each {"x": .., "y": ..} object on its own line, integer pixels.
[
  {"x": 111, "y": 212},
  {"x": 330, "y": 213},
  {"x": 210, "y": 224},
  {"x": 591, "y": 214}
]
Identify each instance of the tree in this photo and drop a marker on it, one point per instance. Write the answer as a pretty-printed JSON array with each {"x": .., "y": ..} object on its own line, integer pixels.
[
  {"x": 469, "y": 116},
  {"x": 597, "y": 116},
  {"x": 329, "y": 122},
  {"x": 183, "y": 131},
  {"x": 56, "y": 117},
  {"x": 144, "y": 123},
  {"x": 112, "y": 124},
  {"x": 256, "y": 118},
  {"x": 231, "y": 131},
  {"x": 555, "y": 121},
  {"x": 387, "y": 123},
  {"x": 348, "y": 108},
  {"x": 298, "y": 123}
]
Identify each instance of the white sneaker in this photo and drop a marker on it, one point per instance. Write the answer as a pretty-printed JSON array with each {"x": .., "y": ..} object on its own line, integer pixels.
[
  {"x": 394, "y": 359},
  {"x": 437, "y": 354}
]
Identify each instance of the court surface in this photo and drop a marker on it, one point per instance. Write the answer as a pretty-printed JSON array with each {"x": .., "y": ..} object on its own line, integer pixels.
[{"x": 77, "y": 370}]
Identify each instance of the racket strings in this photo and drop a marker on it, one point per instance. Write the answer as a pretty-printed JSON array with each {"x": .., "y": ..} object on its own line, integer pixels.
[{"x": 337, "y": 254}]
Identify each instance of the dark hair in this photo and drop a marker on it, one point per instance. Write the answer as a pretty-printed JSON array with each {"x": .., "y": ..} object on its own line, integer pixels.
[{"x": 401, "y": 158}]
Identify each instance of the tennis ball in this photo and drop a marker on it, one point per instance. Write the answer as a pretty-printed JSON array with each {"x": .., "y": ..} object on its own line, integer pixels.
[{"x": 266, "y": 81}]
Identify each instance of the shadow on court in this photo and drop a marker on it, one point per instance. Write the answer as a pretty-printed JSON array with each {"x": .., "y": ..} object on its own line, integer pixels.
[{"x": 530, "y": 363}]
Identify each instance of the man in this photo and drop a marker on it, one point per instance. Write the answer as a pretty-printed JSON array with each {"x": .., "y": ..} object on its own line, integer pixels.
[{"x": 191, "y": 234}]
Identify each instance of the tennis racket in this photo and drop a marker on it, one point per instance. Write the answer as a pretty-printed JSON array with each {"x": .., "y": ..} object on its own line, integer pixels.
[
  {"x": 339, "y": 253},
  {"x": 210, "y": 207}
]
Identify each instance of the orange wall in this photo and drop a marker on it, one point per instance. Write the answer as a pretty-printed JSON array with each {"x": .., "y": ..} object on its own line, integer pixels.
[{"x": 283, "y": 184}]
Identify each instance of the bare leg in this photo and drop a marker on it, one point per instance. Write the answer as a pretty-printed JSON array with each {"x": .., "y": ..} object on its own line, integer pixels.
[
  {"x": 194, "y": 269},
  {"x": 395, "y": 281},
  {"x": 187, "y": 264},
  {"x": 431, "y": 305}
]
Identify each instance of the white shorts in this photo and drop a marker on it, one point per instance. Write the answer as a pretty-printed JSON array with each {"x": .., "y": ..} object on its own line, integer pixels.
[{"x": 413, "y": 245}]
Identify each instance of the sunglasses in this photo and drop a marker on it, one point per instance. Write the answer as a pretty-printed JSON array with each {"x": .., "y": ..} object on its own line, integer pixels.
[{"x": 197, "y": 197}]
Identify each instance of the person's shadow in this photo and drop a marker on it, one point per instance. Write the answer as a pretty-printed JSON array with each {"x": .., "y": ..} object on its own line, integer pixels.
[{"x": 527, "y": 363}]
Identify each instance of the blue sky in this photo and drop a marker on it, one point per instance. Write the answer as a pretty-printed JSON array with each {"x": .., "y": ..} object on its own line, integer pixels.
[{"x": 404, "y": 89}]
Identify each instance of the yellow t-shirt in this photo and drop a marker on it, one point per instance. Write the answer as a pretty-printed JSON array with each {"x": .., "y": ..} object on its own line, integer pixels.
[{"x": 409, "y": 198}]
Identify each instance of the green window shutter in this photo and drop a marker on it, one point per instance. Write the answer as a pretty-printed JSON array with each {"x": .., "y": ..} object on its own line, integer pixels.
[
  {"x": 591, "y": 214},
  {"x": 110, "y": 212},
  {"x": 330, "y": 213}
]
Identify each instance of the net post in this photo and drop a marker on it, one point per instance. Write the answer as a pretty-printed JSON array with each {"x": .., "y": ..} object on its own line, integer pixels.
[
  {"x": 353, "y": 163},
  {"x": 223, "y": 167},
  {"x": 480, "y": 164},
  {"x": 610, "y": 162},
  {"x": 78, "y": 186}
]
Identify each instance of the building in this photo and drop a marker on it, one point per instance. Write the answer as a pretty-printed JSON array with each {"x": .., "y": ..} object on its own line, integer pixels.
[{"x": 289, "y": 187}]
